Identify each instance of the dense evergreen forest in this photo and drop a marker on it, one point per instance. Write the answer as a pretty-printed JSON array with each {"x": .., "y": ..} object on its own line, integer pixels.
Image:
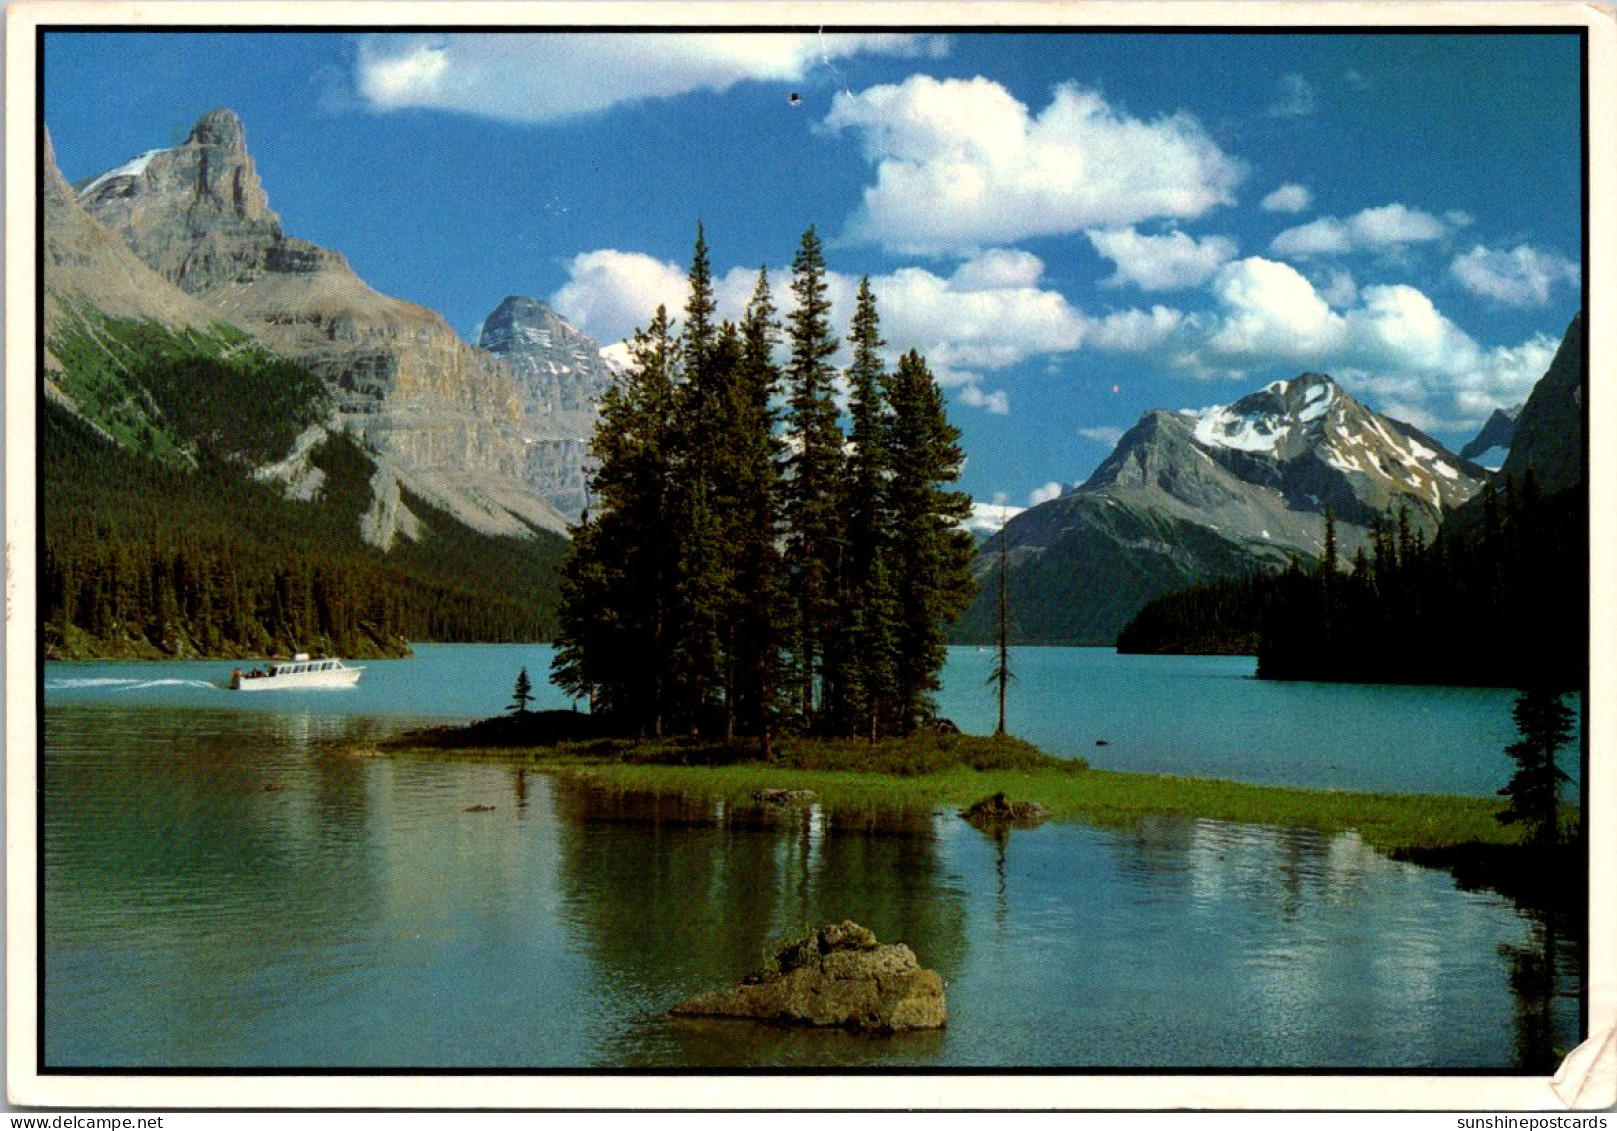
[
  {"x": 1223, "y": 617},
  {"x": 1502, "y": 605},
  {"x": 180, "y": 553},
  {"x": 750, "y": 566}
]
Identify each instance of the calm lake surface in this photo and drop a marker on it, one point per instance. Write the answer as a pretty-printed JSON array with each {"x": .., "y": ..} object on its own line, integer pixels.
[{"x": 228, "y": 884}]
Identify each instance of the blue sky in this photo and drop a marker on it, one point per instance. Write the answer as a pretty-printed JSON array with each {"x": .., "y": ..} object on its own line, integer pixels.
[{"x": 1074, "y": 227}]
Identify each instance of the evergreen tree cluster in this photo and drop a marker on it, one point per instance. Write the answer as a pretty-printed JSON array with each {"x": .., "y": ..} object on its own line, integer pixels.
[
  {"x": 1218, "y": 618},
  {"x": 1504, "y": 605},
  {"x": 1507, "y": 606},
  {"x": 147, "y": 559},
  {"x": 751, "y": 564}
]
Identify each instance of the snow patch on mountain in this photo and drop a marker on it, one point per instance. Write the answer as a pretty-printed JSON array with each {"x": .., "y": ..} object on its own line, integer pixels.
[
  {"x": 134, "y": 167},
  {"x": 1317, "y": 402},
  {"x": 1220, "y": 428}
]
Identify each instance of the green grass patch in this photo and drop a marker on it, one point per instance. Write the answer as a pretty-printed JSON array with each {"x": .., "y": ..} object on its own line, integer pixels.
[{"x": 970, "y": 767}]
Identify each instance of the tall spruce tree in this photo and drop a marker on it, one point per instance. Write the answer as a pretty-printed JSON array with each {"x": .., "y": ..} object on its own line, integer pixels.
[
  {"x": 814, "y": 489},
  {"x": 700, "y": 565},
  {"x": 1544, "y": 722},
  {"x": 1001, "y": 675},
  {"x": 872, "y": 629},
  {"x": 756, "y": 619},
  {"x": 931, "y": 549}
]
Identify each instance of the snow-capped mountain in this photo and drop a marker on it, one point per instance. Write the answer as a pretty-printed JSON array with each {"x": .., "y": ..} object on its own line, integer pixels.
[{"x": 1194, "y": 494}]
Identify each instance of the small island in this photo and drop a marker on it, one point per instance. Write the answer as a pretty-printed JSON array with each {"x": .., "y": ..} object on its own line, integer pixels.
[{"x": 743, "y": 618}]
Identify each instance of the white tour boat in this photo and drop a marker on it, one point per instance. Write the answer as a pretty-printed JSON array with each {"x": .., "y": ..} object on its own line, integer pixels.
[{"x": 298, "y": 673}]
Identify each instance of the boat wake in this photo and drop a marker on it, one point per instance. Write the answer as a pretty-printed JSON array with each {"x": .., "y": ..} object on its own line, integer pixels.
[{"x": 124, "y": 684}]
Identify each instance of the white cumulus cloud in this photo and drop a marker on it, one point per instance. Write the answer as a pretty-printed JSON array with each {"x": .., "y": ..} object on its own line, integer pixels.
[
  {"x": 1288, "y": 198},
  {"x": 997, "y": 402},
  {"x": 1374, "y": 229},
  {"x": 987, "y": 518},
  {"x": 962, "y": 164},
  {"x": 1271, "y": 313},
  {"x": 1160, "y": 263},
  {"x": 1393, "y": 343},
  {"x": 547, "y": 76},
  {"x": 610, "y": 293},
  {"x": 1134, "y": 330},
  {"x": 1051, "y": 490},
  {"x": 1340, "y": 290},
  {"x": 1523, "y": 276},
  {"x": 991, "y": 313}
]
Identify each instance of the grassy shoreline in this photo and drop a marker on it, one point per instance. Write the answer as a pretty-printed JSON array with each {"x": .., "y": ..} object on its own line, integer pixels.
[{"x": 954, "y": 771}]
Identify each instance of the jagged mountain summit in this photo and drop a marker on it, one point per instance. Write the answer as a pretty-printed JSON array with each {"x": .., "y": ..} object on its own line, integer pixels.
[
  {"x": 227, "y": 231},
  {"x": 1195, "y": 494},
  {"x": 1490, "y": 445},
  {"x": 560, "y": 367},
  {"x": 445, "y": 418},
  {"x": 562, "y": 377}
]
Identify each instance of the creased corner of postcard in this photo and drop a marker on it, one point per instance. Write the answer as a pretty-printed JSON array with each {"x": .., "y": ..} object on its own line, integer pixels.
[{"x": 1588, "y": 1076}]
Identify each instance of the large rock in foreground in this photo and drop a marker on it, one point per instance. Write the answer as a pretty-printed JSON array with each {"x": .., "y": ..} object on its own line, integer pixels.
[{"x": 839, "y": 977}]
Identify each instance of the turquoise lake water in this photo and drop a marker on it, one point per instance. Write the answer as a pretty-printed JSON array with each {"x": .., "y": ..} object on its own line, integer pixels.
[{"x": 229, "y": 885}]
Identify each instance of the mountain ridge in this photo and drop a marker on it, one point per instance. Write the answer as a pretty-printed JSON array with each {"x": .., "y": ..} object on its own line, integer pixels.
[
  {"x": 201, "y": 472},
  {"x": 444, "y": 417},
  {"x": 1194, "y": 494}
]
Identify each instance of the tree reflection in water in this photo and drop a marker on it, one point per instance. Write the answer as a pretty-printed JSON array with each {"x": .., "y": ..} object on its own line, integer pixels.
[{"x": 676, "y": 895}]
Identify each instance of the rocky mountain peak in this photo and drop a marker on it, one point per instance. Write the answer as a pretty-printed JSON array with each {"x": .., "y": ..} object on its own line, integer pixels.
[
  {"x": 560, "y": 377},
  {"x": 1304, "y": 444},
  {"x": 220, "y": 128},
  {"x": 1211, "y": 492},
  {"x": 196, "y": 214},
  {"x": 1281, "y": 418},
  {"x": 560, "y": 368},
  {"x": 519, "y": 312}
]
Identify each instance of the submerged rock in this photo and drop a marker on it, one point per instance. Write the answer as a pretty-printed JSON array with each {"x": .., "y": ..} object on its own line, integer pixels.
[
  {"x": 1000, "y": 811},
  {"x": 838, "y": 977}
]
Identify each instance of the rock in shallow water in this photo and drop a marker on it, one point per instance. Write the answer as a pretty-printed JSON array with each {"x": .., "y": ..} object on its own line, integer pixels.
[
  {"x": 785, "y": 796},
  {"x": 840, "y": 977},
  {"x": 1000, "y": 811}
]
